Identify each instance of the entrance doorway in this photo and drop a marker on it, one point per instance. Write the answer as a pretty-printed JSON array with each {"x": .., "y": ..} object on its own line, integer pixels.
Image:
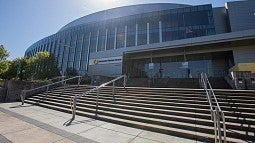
[{"x": 213, "y": 64}]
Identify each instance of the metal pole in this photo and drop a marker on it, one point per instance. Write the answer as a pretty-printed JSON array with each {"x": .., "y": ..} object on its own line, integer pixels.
[
  {"x": 113, "y": 91},
  {"x": 22, "y": 97},
  {"x": 98, "y": 92},
  {"x": 62, "y": 79},
  {"x": 125, "y": 81},
  {"x": 215, "y": 128},
  {"x": 79, "y": 80},
  {"x": 218, "y": 125},
  {"x": 74, "y": 106},
  {"x": 65, "y": 85},
  {"x": 224, "y": 127},
  {"x": 47, "y": 90}
]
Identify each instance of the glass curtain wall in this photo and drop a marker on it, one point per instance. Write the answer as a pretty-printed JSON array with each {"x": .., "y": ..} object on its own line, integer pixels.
[
  {"x": 106, "y": 35},
  {"x": 213, "y": 64}
]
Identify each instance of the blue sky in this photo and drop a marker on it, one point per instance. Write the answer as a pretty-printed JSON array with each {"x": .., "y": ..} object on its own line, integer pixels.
[{"x": 23, "y": 22}]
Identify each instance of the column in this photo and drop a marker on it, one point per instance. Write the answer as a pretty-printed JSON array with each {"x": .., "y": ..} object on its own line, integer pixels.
[
  {"x": 160, "y": 32},
  {"x": 148, "y": 33}
]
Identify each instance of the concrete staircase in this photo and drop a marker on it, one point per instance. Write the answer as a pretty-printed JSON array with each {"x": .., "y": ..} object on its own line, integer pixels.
[
  {"x": 173, "y": 111},
  {"x": 216, "y": 82}
]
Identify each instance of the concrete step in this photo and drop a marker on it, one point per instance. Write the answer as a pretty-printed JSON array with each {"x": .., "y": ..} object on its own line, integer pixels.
[
  {"x": 161, "y": 109},
  {"x": 243, "y": 108},
  {"x": 199, "y": 129},
  {"x": 150, "y": 113},
  {"x": 153, "y": 104},
  {"x": 140, "y": 91},
  {"x": 186, "y": 99},
  {"x": 162, "y": 90},
  {"x": 240, "y": 112}
]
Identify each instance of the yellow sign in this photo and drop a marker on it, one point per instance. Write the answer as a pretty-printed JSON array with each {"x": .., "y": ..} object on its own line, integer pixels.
[{"x": 96, "y": 61}]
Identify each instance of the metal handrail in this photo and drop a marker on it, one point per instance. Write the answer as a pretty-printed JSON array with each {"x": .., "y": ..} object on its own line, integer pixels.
[
  {"x": 73, "y": 100},
  {"x": 216, "y": 112},
  {"x": 58, "y": 77},
  {"x": 63, "y": 81}
]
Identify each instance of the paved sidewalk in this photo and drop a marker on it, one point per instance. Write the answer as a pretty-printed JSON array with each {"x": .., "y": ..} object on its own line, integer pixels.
[{"x": 29, "y": 123}]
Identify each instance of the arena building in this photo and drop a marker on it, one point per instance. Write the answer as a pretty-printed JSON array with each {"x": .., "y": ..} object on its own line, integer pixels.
[{"x": 163, "y": 40}]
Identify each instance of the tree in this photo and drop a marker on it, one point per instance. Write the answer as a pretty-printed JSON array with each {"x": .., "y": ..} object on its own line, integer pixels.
[
  {"x": 4, "y": 69},
  {"x": 4, "y": 64},
  {"x": 42, "y": 66},
  {"x": 14, "y": 69},
  {"x": 4, "y": 54}
]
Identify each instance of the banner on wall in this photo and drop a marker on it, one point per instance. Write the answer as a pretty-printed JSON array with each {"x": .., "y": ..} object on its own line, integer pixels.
[{"x": 100, "y": 61}]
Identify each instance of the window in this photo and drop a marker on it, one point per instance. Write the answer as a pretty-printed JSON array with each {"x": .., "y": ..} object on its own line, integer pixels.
[
  {"x": 101, "y": 40},
  {"x": 154, "y": 31},
  {"x": 110, "y": 38},
  {"x": 120, "y": 36},
  {"x": 131, "y": 32},
  {"x": 93, "y": 41},
  {"x": 142, "y": 33}
]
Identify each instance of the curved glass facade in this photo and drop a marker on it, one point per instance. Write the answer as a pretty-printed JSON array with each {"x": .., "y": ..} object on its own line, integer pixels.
[{"x": 72, "y": 46}]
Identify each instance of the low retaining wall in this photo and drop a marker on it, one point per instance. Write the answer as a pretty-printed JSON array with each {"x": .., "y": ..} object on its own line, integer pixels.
[{"x": 11, "y": 89}]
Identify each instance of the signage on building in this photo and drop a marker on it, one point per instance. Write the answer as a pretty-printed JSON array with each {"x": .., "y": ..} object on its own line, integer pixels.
[
  {"x": 100, "y": 61},
  {"x": 185, "y": 65},
  {"x": 151, "y": 66}
]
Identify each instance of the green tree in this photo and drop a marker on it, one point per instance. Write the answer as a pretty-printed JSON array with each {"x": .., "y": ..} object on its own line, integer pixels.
[
  {"x": 14, "y": 69},
  {"x": 42, "y": 66},
  {"x": 4, "y": 68},
  {"x": 4, "y": 64},
  {"x": 4, "y": 54}
]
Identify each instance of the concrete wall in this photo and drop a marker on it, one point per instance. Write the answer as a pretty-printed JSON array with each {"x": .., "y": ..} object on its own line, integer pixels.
[
  {"x": 244, "y": 54},
  {"x": 111, "y": 70},
  {"x": 12, "y": 89},
  {"x": 241, "y": 15},
  {"x": 220, "y": 20}
]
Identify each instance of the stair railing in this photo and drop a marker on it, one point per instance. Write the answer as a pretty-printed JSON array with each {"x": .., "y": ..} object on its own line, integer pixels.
[
  {"x": 58, "y": 78},
  {"x": 73, "y": 100},
  {"x": 46, "y": 88},
  {"x": 216, "y": 112}
]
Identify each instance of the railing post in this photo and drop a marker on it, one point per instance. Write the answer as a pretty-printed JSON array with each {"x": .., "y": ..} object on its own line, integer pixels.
[
  {"x": 125, "y": 81},
  {"x": 74, "y": 106},
  {"x": 98, "y": 92},
  {"x": 65, "y": 85},
  {"x": 218, "y": 124},
  {"x": 22, "y": 97},
  {"x": 79, "y": 80},
  {"x": 62, "y": 79},
  {"x": 215, "y": 127},
  {"x": 47, "y": 90},
  {"x": 113, "y": 91},
  {"x": 224, "y": 127}
]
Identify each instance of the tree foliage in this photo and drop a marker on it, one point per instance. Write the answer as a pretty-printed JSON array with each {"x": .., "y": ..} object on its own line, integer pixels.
[
  {"x": 42, "y": 66},
  {"x": 4, "y": 64},
  {"x": 4, "y": 54}
]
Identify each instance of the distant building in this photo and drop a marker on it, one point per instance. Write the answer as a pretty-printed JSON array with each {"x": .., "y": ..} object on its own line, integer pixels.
[{"x": 157, "y": 40}]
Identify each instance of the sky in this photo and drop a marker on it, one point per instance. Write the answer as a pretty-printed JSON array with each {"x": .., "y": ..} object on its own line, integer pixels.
[{"x": 24, "y": 22}]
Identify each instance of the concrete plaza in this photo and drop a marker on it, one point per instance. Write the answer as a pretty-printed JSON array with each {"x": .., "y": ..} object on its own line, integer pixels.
[{"x": 30, "y": 123}]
